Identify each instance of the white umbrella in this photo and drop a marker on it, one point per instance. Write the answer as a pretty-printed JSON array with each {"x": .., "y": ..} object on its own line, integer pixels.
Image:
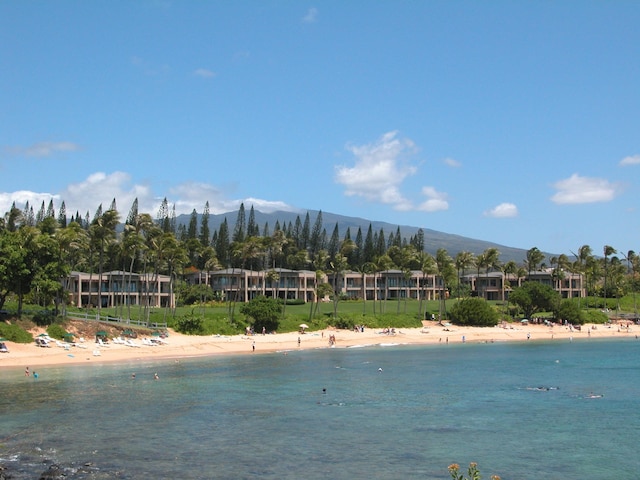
[{"x": 304, "y": 325}]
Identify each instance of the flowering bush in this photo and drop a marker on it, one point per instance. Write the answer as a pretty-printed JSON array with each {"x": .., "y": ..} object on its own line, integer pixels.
[{"x": 474, "y": 473}]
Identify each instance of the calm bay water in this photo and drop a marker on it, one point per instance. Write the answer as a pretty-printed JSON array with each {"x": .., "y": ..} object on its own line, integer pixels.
[{"x": 266, "y": 416}]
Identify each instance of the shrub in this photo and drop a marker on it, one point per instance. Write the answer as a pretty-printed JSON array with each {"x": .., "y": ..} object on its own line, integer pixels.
[
  {"x": 264, "y": 311},
  {"x": 474, "y": 312},
  {"x": 190, "y": 324},
  {"x": 44, "y": 318},
  {"x": 474, "y": 473},
  {"x": 56, "y": 331},
  {"x": 15, "y": 334},
  {"x": 569, "y": 311}
]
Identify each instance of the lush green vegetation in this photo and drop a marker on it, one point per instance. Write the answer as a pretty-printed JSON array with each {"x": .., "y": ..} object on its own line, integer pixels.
[
  {"x": 39, "y": 249},
  {"x": 474, "y": 312}
]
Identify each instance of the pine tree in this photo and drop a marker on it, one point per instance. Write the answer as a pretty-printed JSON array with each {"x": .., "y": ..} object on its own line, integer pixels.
[
  {"x": 204, "y": 226},
  {"x": 40, "y": 214},
  {"x": 334, "y": 243},
  {"x": 163, "y": 215},
  {"x": 133, "y": 213},
  {"x": 252, "y": 227},
  {"x": 193, "y": 225},
  {"x": 51, "y": 211},
  {"x": 314, "y": 241},
  {"x": 296, "y": 233},
  {"x": 305, "y": 233},
  {"x": 381, "y": 245},
  {"x": 222, "y": 244},
  {"x": 240, "y": 228}
]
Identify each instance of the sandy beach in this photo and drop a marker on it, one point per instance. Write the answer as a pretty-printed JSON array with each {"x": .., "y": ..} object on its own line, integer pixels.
[{"x": 178, "y": 346}]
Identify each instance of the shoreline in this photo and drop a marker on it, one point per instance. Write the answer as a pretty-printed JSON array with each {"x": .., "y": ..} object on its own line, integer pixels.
[{"x": 180, "y": 346}]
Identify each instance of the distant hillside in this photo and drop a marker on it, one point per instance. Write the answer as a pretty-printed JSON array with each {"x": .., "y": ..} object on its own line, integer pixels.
[{"x": 433, "y": 238}]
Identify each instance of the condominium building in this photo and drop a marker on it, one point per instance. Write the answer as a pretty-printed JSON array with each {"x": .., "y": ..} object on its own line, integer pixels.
[{"x": 117, "y": 288}]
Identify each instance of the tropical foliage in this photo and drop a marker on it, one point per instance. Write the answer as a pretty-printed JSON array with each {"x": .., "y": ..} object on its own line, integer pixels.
[
  {"x": 474, "y": 312},
  {"x": 39, "y": 248}
]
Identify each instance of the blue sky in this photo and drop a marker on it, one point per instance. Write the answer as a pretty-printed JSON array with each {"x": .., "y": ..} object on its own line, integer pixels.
[{"x": 512, "y": 122}]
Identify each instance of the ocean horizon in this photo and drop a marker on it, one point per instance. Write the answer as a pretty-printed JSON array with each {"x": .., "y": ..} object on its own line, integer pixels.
[{"x": 521, "y": 410}]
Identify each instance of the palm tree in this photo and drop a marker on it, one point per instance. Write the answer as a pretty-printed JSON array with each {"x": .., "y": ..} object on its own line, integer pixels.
[
  {"x": 445, "y": 271},
  {"x": 133, "y": 241},
  {"x": 463, "y": 261},
  {"x": 102, "y": 231},
  {"x": 73, "y": 241},
  {"x": 534, "y": 258},
  {"x": 427, "y": 265},
  {"x": 580, "y": 266},
  {"x": 607, "y": 250},
  {"x": 509, "y": 268}
]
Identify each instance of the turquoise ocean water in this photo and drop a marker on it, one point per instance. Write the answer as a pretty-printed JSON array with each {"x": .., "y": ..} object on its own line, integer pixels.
[{"x": 266, "y": 416}]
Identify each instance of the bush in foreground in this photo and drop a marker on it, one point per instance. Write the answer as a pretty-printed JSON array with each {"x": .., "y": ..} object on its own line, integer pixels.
[
  {"x": 15, "y": 333},
  {"x": 475, "y": 312},
  {"x": 474, "y": 473}
]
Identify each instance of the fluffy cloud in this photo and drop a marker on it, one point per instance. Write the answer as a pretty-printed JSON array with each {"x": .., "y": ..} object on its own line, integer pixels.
[
  {"x": 43, "y": 149},
  {"x": 631, "y": 160},
  {"x": 101, "y": 188},
  {"x": 577, "y": 189},
  {"x": 378, "y": 171},
  {"x": 436, "y": 201},
  {"x": 504, "y": 210}
]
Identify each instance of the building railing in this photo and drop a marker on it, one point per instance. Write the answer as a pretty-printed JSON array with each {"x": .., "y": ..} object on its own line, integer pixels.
[{"x": 105, "y": 318}]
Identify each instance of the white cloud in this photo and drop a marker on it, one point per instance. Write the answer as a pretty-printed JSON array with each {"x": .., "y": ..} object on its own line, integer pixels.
[
  {"x": 630, "y": 160},
  {"x": 436, "y": 201},
  {"x": 21, "y": 197},
  {"x": 504, "y": 210},
  {"x": 204, "y": 73},
  {"x": 378, "y": 171},
  {"x": 451, "y": 162},
  {"x": 577, "y": 189},
  {"x": 101, "y": 188},
  {"x": 43, "y": 149},
  {"x": 311, "y": 16}
]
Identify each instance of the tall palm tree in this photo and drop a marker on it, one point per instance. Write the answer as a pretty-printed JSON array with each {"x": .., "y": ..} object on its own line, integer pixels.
[
  {"x": 607, "y": 250},
  {"x": 534, "y": 258},
  {"x": 427, "y": 265},
  {"x": 445, "y": 271},
  {"x": 580, "y": 265},
  {"x": 102, "y": 231},
  {"x": 509, "y": 268},
  {"x": 73, "y": 241},
  {"x": 463, "y": 260}
]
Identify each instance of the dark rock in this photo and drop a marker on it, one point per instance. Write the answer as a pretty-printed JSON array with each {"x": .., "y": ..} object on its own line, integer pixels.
[{"x": 54, "y": 472}]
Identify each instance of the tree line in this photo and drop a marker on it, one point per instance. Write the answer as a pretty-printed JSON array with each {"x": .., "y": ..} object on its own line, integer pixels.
[{"x": 39, "y": 249}]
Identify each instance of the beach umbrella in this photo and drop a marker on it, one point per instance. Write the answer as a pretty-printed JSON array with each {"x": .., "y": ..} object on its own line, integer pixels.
[
  {"x": 303, "y": 326},
  {"x": 69, "y": 335},
  {"x": 2, "y": 339}
]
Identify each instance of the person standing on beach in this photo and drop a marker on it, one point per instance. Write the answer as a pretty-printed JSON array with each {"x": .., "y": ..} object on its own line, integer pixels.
[{"x": 253, "y": 346}]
